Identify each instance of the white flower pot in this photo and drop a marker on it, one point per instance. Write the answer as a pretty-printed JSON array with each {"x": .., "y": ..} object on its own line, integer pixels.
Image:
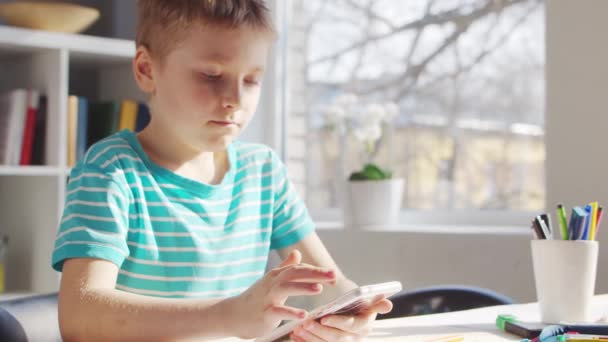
[{"x": 373, "y": 204}]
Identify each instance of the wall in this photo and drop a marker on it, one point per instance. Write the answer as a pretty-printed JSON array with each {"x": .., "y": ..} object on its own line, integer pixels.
[
  {"x": 577, "y": 90},
  {"x": 498, "y": 262}
]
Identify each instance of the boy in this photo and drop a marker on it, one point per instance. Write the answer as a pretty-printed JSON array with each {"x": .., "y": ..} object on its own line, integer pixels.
[{"x": 166, "y": 234}]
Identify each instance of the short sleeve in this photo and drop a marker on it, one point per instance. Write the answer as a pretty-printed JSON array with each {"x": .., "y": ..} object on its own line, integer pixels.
[
  {"x": 94, "y": 223},
  {"x": 291, "y": 221}
]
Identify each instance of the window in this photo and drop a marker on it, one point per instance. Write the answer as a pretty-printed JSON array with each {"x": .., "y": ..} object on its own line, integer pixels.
[{"x": 467, "y": 77}]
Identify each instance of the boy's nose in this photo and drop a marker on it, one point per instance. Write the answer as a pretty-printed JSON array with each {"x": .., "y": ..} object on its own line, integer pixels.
[{"x": 232, "y": 98}]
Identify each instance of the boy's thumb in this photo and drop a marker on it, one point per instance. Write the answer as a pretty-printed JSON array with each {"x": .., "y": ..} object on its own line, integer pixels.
[{"x": 294, "y": 258}]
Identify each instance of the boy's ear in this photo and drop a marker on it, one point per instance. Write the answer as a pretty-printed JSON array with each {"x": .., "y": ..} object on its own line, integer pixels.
[{"x": 142, "y": 69}]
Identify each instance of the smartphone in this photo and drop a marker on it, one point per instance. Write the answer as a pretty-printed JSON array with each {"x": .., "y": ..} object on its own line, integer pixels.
[
  {"x": 523, "y": 329},
  {"x": 351, "y": 302}
]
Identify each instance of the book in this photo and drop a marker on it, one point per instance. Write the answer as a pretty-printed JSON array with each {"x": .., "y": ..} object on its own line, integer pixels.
[
  {"x": 81, "y": 134},
  {"x": 128, "y": 115},
  {"x": 38, "y": 152},
  {"x": 33, "y": 99},
  {"x": 102, "y": 120},
  {"x": 143, "y": 117},
  {"x": 14, "y": 109},
  {"x": 5, "y": 100},
  {"x": 72, "y": 129}
]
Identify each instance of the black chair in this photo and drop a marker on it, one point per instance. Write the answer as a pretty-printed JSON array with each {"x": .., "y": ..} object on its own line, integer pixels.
[
  {"x": 32, "y": 318},
  {"x": 439, "y": 299}
]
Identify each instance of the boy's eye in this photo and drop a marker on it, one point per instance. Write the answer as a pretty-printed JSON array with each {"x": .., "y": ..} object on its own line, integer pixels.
[
  {"x": 212, "y": 76},
  {"x": 252, "y": 81}
]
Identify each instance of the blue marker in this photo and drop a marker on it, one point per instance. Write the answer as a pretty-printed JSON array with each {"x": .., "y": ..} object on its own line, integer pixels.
[
  {"x": 577, "y": 222},
  {"x": 587, "y": 224}
]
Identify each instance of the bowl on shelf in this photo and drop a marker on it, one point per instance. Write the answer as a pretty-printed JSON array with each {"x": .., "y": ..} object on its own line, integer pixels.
[{"x": 49, "y": 16}]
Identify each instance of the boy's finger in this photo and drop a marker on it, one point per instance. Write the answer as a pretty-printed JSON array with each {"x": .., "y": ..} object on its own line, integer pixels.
[
  {"x": 382, "y": 307},
  {"x": 289, "y": 289},
  {"x": 327, "y": 333},
  {"x": 282, "y": 312},
  {"x": 294, "y": 258},
  {"x": 303, "y": 273}
]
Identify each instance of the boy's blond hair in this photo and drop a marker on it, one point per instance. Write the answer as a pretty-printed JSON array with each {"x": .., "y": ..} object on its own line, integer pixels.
[{"x": 162, "y": 23}]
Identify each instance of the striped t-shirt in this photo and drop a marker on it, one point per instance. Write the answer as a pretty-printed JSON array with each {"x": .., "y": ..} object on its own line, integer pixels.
[{"x": 172, "y": 236}]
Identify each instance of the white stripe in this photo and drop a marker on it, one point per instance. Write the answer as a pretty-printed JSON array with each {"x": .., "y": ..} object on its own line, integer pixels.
[
  {"x": 96, "y": 204},
  {"x": 89, "y": 174},
  {"x": 92, "y": 231},
  {"x": 204, "y": 202},
  {"x": 107, "y": 149},
  {"x": 181, "y": 293},
  {"x": 135, "y": 171},
  {"x": 282, "y": 198},
  {"x": 190, "y": 279},
  {"x": 193, "y": 213},
  {"x": 288, "y": 206},
  {"x": 96, "y": 189},
  {"x": 91, "y": 243},
  {"x": 254, "y": 163},
  {"x": 206, "y": 239},
  {"x": 270, "y": 173},
  {"x": 198, "y": 249},
  {"x": 89, "y": 217},
  {"x": 155, "y": 187},
  {"x": 295, "y": 217},
  {"x": 254, "y": 152},
  {"x": 209, "y": 228},
  {"x": 118, "y": 157},
  {"x": 296, "y": 227},
  {"x": 195, "y": 264}
]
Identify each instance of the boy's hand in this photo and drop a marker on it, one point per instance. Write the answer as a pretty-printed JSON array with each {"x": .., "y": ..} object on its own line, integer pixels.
[
  {"x": 261, "y": 308},
  {"x": 341, "y": 328}
]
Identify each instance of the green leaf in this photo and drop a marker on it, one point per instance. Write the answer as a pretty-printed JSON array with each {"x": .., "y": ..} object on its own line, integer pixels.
[
  {"x": 371, "y": 172},
  {"x": 357, "y": 176}
]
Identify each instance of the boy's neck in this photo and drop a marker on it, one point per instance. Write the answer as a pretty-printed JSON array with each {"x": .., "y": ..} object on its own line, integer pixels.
[{"x": 171, "y": 153}]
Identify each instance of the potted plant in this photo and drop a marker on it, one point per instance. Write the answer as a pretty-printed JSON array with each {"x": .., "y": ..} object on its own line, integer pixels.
[{"x": 372, "y": 197}]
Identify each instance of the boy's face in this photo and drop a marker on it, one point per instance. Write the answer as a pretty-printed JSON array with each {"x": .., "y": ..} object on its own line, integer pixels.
[{"x": 207, "y": 88}]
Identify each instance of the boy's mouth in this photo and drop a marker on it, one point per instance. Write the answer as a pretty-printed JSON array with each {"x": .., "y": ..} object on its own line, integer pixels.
[{"x": 222, "y": 123}]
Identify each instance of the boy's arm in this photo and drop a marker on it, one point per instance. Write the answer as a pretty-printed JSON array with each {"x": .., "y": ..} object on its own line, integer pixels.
[
  {"x": 91, "y": 309},
  {"x": 314, "y": 253}
]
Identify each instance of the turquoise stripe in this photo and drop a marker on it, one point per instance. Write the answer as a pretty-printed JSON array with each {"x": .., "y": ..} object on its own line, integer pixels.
[
  {"x": 196, "y": 240},
  {"x": 195, "y": 256},
  {"x": 95, "y": 224},
  {"x": 188, "y": 286},
  {"x": 189, "y": 271}
]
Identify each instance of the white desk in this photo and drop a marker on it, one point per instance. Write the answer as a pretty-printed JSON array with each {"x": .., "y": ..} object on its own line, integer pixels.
[{"x": 475, "y": 325}]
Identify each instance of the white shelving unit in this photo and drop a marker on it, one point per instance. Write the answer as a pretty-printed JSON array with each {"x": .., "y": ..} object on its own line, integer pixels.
[{"x": 32, "y": 197}]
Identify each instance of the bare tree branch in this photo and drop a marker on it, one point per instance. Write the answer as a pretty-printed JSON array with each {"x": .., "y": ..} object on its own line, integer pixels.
[
  {"x": 453, "y": 16},
  {"x": 363, "y": 50},
  {"x": 485, "y": 52},
  {"x": 369, "y": 13},
  {"x": 409, "y": 78}
]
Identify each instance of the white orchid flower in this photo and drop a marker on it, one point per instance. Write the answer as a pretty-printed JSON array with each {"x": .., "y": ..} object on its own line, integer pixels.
[
  {"x": 374, "y": 112},
  {"x": 368, "y": 133}
]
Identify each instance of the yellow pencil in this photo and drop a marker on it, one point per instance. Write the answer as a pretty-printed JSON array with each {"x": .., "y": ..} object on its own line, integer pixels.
[
  {"x": 448, "y": 339},
  {"x": 593, "y": 224}
]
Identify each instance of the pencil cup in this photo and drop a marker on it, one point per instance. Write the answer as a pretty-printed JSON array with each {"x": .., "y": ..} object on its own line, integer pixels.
[{"x": 564, "y": 272}]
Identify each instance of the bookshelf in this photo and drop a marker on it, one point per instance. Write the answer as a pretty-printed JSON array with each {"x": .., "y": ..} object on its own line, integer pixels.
[{"x": 32, "y": 197}]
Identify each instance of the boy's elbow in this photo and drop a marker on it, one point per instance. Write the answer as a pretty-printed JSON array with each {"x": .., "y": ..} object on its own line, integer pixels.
[
  {"x": 72, "y": 321},
  {"x": 69, "y": 328}
]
